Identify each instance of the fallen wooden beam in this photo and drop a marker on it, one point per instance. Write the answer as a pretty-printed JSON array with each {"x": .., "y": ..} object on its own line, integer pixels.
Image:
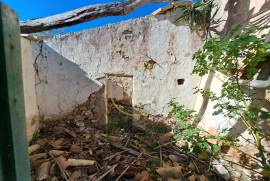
[
  {"x": 83, "y": 14},
  {"x": 121, "y": 147}
]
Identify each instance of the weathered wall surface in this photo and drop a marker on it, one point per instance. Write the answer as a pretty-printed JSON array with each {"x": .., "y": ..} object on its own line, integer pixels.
[
  {"x": 61, "y": 84},
  {"x": 53, "y": 86},
  {"x": 241, "y": 12},
  {"x": 30, "y": 97},
  {"x": 155, "y": 52},
  {"x": 231, "y": 13},
  {"x": 60, "y": 73}
]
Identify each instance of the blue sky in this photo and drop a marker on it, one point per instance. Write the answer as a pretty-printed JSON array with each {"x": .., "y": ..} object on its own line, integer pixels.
[{"x": 29, "y": 9}]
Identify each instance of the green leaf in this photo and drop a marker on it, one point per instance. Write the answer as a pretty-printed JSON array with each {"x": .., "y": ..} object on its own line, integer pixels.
[{"x": 216, "y": 149}]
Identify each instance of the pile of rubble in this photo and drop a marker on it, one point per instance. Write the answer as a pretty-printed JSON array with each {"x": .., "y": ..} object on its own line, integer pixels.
[{"x": 75, "y": 148}]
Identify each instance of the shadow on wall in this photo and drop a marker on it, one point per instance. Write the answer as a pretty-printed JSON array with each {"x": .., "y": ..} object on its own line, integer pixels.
[
  {"x": 60, "y": 84},
  {"x": 239, "y": 13},
  {"x": 259, "y": 98}
]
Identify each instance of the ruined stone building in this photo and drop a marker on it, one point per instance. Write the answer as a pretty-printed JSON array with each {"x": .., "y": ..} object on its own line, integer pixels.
[{"x": 143, "y": 62}]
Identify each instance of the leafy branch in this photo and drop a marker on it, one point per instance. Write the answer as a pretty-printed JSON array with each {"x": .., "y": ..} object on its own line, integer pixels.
[{"x": 238, "y": 57}]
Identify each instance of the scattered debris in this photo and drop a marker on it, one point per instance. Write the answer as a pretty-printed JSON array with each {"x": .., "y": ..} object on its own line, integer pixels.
[
  {"x": 43, "y": 171},
  {"x": 142, "y": 176},
  {"x": 222, "y": 171},
  {"x": 33, "y": 148},
  {"x": 168, "y": 172},
  {"x": 61, "y": 151}
]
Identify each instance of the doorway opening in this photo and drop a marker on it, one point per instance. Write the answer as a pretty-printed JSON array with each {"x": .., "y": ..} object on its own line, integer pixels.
[{"x": 118, "y": 97}]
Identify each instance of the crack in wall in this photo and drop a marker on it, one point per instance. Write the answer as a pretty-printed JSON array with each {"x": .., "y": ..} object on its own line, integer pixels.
[
  {"x": 120, "y": 49},
  {"x": 38, "y": 79},
  {"x": 37, "y": 75}
]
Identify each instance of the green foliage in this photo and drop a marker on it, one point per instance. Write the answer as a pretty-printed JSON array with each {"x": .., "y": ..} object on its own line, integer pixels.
[
  {"x": 200, "y": 14},
  {"x": 225, "y": 54},
  {"x": 231, "y": 101},
  {"x": 244, "y": 49},
  {"x": 192, "y": 138},
  {"x": 236, "y": 56},
  {"x": 180, "y": 112}
]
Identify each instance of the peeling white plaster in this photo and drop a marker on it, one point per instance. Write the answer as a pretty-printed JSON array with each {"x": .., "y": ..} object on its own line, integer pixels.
[{"x": 124, "y": 48}]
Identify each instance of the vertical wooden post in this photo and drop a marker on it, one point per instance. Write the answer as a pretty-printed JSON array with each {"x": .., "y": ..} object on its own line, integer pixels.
[{"x": 14, "y": 162}]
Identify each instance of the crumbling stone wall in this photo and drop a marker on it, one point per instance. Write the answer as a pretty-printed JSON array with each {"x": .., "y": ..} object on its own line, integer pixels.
[
  {"x": 156, "y": 52},
  {"x": 60, "y": 84},
  {"x": 61, "y": 72}
]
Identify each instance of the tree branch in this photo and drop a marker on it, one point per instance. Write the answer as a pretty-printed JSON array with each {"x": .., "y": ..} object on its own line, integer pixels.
[
  {"x": 83, "y": 14},
  {"x": 263, "y": 84}
]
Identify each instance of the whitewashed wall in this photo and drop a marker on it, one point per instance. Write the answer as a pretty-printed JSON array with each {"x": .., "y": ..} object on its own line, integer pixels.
[
  {"x": 61, "y": 84},
  {"x": 60, "y": 73},
  {"x": 236, "y": 12},
  {"x": 30, "y": 96},
  {"x": 231, "y": 13},
  {"x": 124, "y": 48}
]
